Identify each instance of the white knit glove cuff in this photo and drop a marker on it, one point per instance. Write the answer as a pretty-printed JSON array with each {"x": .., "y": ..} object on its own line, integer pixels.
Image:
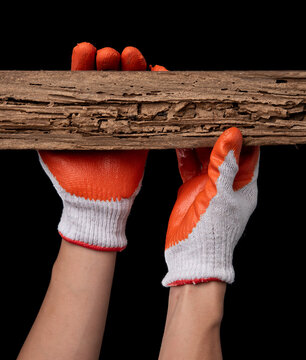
[
  {"x": 95, "y": 224},
  {"x": 199, "y": 261}
]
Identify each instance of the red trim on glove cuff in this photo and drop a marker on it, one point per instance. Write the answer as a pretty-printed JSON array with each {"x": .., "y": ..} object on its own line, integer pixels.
[
  {"x": 193, "y": 281},
  {"x": 93, "y": 247}
]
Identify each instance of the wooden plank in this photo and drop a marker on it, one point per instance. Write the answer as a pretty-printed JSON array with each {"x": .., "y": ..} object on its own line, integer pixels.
[{"x": 154, "y": 110}]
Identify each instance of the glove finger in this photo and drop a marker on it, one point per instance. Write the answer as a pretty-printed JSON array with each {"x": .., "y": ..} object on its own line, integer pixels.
[
  {"x": 132, "y": 60},
  {"x": 157, "y": 68},
  {"x": 203, "y": 155},
  {"x": 108, "y": 59},
  {"x": 83, "y": 57},
  {"x": 248, "y": 162},
  {"x": 224, "y": 159},
  {"x": 188, "y": 163}
]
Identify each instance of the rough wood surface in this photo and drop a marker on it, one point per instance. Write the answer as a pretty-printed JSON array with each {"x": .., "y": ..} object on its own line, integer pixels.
[{"x": 153, "y": 110}]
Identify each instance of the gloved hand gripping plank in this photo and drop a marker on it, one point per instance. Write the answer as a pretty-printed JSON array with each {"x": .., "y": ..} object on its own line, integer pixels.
[{"x": 97, "y": 187}]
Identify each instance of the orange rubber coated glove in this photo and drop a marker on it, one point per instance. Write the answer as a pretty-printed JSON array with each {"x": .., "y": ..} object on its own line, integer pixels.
[
  {"x": 213, "y": 206},
  {"x": 97, "y": 187}
]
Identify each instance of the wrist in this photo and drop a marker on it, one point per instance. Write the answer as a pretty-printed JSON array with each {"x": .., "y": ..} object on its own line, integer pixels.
[
  {"x": 206, "y": 299},
  {"x": 80, "y": 270},
  {"x": 193, "y": 322}
]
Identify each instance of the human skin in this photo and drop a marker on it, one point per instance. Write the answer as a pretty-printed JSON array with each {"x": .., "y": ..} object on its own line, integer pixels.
[
  {"x": 71, "y": 321},
  {"x": 192, "y": 329}
]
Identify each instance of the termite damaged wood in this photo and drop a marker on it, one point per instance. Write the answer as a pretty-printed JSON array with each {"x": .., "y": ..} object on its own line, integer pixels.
[{"x": 98, "y": 110}]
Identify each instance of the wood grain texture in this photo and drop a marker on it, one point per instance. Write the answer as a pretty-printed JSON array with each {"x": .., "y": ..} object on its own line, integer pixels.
[{"x": 154, "y": 110}]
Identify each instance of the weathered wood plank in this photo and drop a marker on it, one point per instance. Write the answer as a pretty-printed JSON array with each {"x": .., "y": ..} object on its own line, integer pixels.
[{"x": 154, "y": 110}]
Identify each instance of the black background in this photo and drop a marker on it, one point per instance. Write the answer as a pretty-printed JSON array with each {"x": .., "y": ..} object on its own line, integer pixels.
[{"x": 264, "y": 308}]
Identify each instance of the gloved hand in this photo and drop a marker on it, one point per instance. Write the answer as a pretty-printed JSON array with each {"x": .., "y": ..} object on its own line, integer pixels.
[
  {"x": 213, "y": 206},
  {"x": 97, "y": 187}
]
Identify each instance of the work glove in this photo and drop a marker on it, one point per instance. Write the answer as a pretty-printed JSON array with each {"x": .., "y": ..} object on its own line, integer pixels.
[
  {"x": 213, "y": 206},
  {"x": 97, "y": 188}
]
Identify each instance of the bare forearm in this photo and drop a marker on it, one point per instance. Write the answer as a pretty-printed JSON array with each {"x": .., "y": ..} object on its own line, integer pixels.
[
  {"x": 71, "y": 321},
  {"x": 193, "y": 322}
]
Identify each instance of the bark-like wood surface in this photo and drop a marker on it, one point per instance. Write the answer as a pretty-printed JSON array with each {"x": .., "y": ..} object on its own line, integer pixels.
[{"x": 153, "y": 110}]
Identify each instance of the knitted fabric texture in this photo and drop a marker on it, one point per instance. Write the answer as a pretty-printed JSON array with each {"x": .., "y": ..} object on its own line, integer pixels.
[
  {"x": 208, "y": 250},
  {"x": 93, "y": 223}
]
